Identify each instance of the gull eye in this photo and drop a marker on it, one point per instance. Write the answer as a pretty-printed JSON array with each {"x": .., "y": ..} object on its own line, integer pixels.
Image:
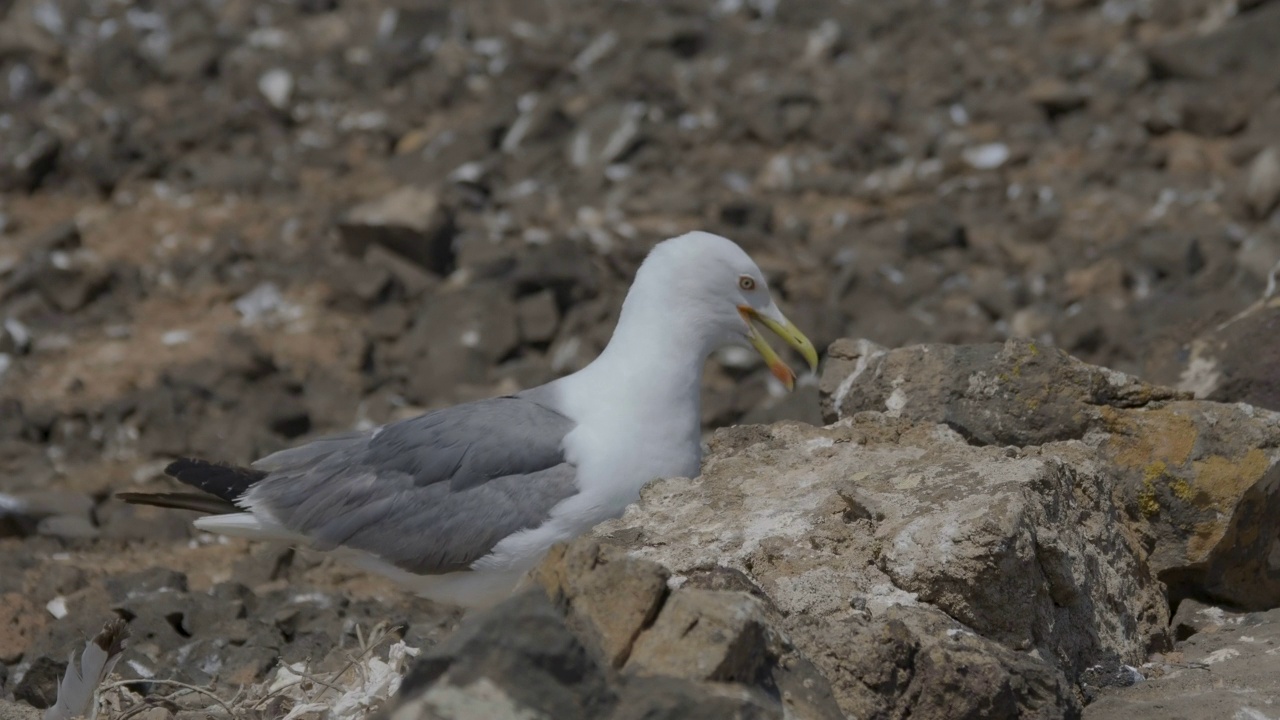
[{"x": 746, "y": 282}]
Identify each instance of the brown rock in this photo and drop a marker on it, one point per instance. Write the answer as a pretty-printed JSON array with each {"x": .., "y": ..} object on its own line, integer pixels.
[
  {"x": 1056, "y": 96},
  {"x": 409, "y": 221},
  {"x": 719, "y": 626},
  {"x": 21, "y": 620},
  {"x": 707, "y": 635},
  {"x": 1104, "y": 278},
  {"x": 1186, "y": 155},
  {"x": 608, "y": 596}
]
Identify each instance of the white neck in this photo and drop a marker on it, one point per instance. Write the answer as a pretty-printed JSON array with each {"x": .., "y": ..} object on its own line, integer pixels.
[{"x": 642, "y": 394}]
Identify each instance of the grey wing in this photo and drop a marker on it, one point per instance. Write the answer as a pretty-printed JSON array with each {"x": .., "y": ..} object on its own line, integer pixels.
[{"x": 430, "y": 494}]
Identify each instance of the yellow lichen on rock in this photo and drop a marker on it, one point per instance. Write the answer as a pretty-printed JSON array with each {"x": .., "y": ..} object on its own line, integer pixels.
[
  {"x": 1182, "y": 490},
  {"x": 1141, "y": 439},
  {"x": 1223, "y": 480},
  {"x": 1148, "y": 501}
]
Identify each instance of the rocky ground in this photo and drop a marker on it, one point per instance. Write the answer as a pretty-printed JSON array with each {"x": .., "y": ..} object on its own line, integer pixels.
[
  {"x": 1017, "y": 534},
  {"x": 230, "y": 226}
]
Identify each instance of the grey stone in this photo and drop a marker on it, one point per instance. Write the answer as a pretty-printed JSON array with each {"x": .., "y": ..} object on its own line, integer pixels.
[
  {"x": 930, "y": 227},
  {"x": 1242, "y": 47},
  {"x": 72, "y": 288},
  {"x": 1019, "y": 393},
  {"x": 516, "y": 660},
  {"x": 537, "y": 317},
  {"x": 456, "y": 338},
  {"x": 39, "y": 684},
  {"x": 70, "y": 527},
  {"x": 561, "y": 267}
]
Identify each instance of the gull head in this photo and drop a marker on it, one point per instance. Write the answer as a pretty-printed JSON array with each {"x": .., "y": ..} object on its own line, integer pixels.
[{"x": 709, "y": 286}]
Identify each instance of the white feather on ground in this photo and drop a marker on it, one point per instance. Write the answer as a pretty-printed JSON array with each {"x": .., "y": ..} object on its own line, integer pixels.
[{"x": 78, "y": 691}]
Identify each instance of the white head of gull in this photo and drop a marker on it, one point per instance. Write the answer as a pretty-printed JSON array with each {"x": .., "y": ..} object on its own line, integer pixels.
[{"x": 459, "y": 504}]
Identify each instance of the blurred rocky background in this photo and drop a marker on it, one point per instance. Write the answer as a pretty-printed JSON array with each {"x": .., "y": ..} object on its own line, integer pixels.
[{"x": 227, "y": 226}]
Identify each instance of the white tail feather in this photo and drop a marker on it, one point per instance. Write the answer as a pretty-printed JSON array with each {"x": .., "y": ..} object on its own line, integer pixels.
[{"x": 248, "y": 525}]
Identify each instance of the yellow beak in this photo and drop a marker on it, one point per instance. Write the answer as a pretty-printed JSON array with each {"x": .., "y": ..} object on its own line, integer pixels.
[{"x": 783, "y": 328}]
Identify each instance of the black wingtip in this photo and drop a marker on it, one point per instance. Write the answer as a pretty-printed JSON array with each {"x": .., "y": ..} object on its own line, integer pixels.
[{"x": 223, "y": 480}]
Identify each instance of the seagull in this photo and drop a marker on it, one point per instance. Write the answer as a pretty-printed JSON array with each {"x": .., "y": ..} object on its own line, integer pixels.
[{"x": 457, "y": 505}]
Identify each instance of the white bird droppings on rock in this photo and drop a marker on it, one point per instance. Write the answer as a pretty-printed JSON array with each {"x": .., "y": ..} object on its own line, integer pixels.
[
  {"x": 176, "y": 337},
  {"x": 266, "y": 302},
  {"x": 895, "y": 402},
  {"x": 987, "y": 157},
  {"x": 276, "y": 85},
  {"x": 1220, "y": 655}
]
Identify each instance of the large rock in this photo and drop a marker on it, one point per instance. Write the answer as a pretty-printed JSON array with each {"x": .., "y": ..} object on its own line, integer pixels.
[
  {"x": 840, "y": 525},
  {"x": 1193, "y": 482}
]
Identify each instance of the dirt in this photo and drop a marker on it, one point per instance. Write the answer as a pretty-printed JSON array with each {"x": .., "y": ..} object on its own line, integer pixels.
[{"x": 191, "y": 261}]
